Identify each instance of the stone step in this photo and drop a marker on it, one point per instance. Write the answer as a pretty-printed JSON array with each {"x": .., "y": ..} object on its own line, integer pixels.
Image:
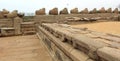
[{"x": 7, "y": 31}]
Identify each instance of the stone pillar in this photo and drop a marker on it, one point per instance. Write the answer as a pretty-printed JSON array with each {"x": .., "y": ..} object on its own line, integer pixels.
[{"x": 17, "y": 25}]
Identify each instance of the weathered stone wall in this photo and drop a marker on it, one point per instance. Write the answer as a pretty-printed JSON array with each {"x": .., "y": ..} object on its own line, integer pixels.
[
  {"x": 6, "y": 23},
  {"x": 61, "y": 18},
  {"x": 79, "y": 44}
]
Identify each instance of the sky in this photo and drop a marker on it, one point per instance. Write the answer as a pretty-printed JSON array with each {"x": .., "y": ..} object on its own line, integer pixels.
[{"x": 32, "y": 5}]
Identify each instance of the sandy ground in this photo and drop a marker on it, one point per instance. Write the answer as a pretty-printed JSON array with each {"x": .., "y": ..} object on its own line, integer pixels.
[
  {"x": 23, "y": 48},
  {"x": 106, "y": 27}
]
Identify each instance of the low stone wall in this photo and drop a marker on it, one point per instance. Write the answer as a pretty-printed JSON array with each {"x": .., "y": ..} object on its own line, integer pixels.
[
  {"x": 75, "y": 44},
  {"x": 62, "y": 18},
  {"x": 6, "y": 23}
]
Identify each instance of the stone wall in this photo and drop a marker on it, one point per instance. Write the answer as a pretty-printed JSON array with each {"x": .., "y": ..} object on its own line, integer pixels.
[{"x": 61, "y": 18}]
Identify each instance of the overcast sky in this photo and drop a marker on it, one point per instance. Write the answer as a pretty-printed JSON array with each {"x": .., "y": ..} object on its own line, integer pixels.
[{"x": 32, "y": 5}]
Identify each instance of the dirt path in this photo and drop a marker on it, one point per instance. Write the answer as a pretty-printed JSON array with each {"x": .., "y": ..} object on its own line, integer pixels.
[
  {"x": 106, "y": 27},
  {"x": 23, "y": 48}
]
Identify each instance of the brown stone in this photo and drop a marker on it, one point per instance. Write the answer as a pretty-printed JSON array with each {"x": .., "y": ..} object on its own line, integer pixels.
[
  {"x": 102, "y": 10},
  {"x": 17, "y": 25},
  {"x": 74, "y": 11},
  {"x": 85, "y": 11},
  {"x": 54, "y": 11},
  {"x": 4, "y": 11},
  {"x": 13, "y": 14},
  {"x": 40, "y": 12},
  {"x": 64, "y": 11},
  {"x": 109, "y": 54},
  {"x": 109, "y": 10},
  {"x": 94, "y": 10},
  {"x": 1, "y": 15},
  {"x": 116, "y": 11}
]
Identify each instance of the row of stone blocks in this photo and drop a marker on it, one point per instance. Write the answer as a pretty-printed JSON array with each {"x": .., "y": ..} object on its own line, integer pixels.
[
  {"x": 89, "y": 44},
  {"x": 28, "y": 28},
  {"x": 54, "y": 11}
]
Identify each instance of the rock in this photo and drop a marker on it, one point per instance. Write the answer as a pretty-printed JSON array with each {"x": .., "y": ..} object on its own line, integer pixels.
[
  {"x": 64, "y": 11},
  {"x": 74, "y": 11},
  {"x": 54, "y": 11}
]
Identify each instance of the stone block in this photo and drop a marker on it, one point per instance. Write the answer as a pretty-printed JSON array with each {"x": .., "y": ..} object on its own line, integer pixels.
[{"x": 109, "y": 54}]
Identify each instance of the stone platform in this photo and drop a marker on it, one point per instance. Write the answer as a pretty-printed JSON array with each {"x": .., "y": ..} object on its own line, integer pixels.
[{"x": 79, "y": 44}]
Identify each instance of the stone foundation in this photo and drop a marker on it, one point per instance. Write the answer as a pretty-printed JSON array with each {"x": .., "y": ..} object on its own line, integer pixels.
[{"x": 79, "y": 44}]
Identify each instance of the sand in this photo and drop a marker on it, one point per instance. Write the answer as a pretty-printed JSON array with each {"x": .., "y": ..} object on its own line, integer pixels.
[{"x": 105, "y": 27}]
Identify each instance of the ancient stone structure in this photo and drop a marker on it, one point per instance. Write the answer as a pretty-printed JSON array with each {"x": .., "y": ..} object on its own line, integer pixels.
[
  {"x": 54, "y": 11},
  {"x": 17, "y": 25},
  {"x": 109, "y": 10},
  {"x": 102, "y": 10},
  {"x": 75, "y": 44},
  {"x": 116, "y": 11},
  {"x": 85, "y": 11},
  {"x": 74, "y": 11},
  {"x": 40, "y": 12},
  {"x": 93, "y": 11},
  {"x": 64, "y": 11},
  {"x": 28, "y": 28}
]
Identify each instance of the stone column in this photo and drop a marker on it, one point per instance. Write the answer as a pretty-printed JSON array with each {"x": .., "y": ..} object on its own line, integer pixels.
[{"x": 17, "y": 25}]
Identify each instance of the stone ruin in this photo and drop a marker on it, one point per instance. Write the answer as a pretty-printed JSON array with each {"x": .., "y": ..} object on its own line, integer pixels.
[
  {"x": 93, "y": 11},
  {"x": 109, "y": 10},
  {"x": 64, "y": 11},
  {"x": 40, "y": 12},
  {"x": 6, "y": 14},
  {"x": 11, "y": 23},
  {"x": 102, "y": 10},
  {"x": 79, "y": 44},
  {"x": 116, "y": 11},
  {"x": 53, "y": 11},
  {"x": 85, "y": 11},
  {"x": 74, "y": 11},
  {"x": 64, "y": 42}
]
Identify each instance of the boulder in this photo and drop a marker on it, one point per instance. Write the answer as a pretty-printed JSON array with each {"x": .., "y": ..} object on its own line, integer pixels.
[
  {"x": 64, "y": 11},
  {"x": 54, "y": 11},
  {"x": 116, "y": 11},
  {"x": 74, "y": 11}
]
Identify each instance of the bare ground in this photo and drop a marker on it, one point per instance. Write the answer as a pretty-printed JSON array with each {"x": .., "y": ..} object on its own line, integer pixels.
[
  {"x": 106, "y": 27},
  {"x": 23, "y": 48}
]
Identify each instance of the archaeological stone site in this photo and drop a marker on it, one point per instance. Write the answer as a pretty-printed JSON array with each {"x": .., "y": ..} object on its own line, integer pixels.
[{"x": 60, "y": 35}]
